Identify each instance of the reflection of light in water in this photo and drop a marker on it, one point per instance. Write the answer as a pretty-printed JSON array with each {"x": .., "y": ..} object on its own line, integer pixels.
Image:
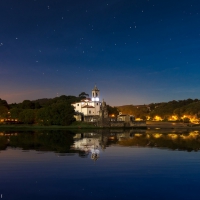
[
  {"x": 88, "y": 145},
  {"x": 157, "y": 135},
  {"x": 147, "y": 136},
  {"x": 94, "y": 154},
  {"x": 138, "y": 135},
  {"x": 173, "y": 136},
  {"x": 183, "y": 136},
  {"x": 192, "y": 135}
]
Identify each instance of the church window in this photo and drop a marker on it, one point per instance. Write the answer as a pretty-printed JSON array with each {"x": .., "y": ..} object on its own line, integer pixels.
[
  {"x": 89, "y": 111},
  {"x": 96, "y": 94},
  {"x": 77, "y": 104},
  {"x": 97, "y": 104},
  {"x": 93, "y": 94}
]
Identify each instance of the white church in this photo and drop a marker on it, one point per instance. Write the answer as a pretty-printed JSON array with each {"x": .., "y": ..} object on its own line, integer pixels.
[{"x": 89, "y": 106}]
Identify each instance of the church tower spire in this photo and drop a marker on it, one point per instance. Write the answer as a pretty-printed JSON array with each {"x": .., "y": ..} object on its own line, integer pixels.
[{"x": 95, "y": 94}]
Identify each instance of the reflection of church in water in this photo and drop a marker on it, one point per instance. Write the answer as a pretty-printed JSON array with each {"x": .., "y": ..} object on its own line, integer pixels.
[{"x": 89, "y": 144}]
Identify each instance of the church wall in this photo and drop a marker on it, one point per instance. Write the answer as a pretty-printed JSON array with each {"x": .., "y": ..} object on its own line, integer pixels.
[
  {"x": 92, "y": 118},
  {"x": 77, "y": 107}
]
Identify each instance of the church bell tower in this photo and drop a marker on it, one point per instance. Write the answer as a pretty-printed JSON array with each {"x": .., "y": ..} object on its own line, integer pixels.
[{"x": 95, "y": 94}]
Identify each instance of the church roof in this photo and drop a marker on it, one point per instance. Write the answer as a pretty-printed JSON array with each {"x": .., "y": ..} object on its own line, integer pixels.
[
  {"x": 87, "y": 106},
  {"x": 86, "y": 99}
]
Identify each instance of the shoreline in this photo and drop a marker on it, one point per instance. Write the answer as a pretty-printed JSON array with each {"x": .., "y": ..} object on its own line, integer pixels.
[
  {"x": 150, "y": 125},
  {"x": 171, "y": 125}
]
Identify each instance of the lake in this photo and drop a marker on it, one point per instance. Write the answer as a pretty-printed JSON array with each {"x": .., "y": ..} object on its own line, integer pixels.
[{"x": 100, "y": 164}]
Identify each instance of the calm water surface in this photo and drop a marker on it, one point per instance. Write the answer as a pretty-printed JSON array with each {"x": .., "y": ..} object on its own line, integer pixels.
[{"x": 136, "y": 165}]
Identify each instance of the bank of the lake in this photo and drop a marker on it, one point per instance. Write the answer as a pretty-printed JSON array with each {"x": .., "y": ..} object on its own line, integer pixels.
[
  {"x": 75, "y": 125},
  {"x": 171, "y": 125},
  {"x": 85, "y": 125}
]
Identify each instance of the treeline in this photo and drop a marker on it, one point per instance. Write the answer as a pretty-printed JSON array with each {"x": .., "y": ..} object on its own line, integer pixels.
[
  {"x": 137, "y": 111},
  {"x": 165, "y": 110},
  {"x": 189, "y": 107},
  {"x": 56, "y": 111},
  {"x": 4, "y": 107}
]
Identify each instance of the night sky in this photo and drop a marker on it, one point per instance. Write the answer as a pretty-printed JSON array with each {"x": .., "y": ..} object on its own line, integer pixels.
[{"x": 135, "y": 51}]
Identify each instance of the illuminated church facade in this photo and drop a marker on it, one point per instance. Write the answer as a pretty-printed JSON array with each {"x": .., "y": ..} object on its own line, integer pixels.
[{"x": 89, "y": 106}]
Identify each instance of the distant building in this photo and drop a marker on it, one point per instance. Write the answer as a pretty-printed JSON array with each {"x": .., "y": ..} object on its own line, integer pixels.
[
  {"x": 92, "y": 110},
  {"x": 89, "y": 107},
  {"x": 125, "y": 118}
]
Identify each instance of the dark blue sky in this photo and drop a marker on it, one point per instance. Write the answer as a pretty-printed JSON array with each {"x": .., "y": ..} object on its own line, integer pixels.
[{"x": 135, "y": 51}]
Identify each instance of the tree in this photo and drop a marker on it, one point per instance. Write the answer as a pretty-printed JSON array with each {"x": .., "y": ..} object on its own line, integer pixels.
[
  {"x": 137, "y": 111},
  {"x": 3, "y": 112},
  {"x": 186, "y": 120},
  {"x": 112, "y": 110},
  {"x": 27, "y": 104},
  {"x": 27, "y": 116},
  {"x": 56, "y": 114},
  {"x": 3, "y": 103},
  {"x": 62, "y": 114},
  {"x": 15, "y": 112},
  {"x": 3, "y": 109},
  {"x": 83, "y": 95},
  {"x": 43, "y": 116}
]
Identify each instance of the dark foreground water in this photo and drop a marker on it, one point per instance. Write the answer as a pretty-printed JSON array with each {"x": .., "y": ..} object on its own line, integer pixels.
[{"x": 126, "y": 165}]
